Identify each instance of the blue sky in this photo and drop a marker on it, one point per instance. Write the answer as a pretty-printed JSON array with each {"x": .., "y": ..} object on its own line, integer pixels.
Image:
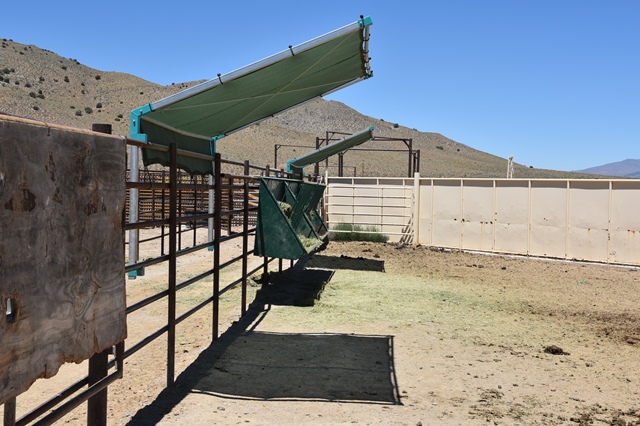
[{"x": 555, "y": 83}]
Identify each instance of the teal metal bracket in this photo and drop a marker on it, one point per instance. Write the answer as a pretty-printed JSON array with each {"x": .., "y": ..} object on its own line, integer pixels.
[
  {"x": 297, "y": 172},
  {"x": 289, "y": 163},
  {"x": 365, "y": 22},
  {"x": 212, "y": 144},
  {"x": 136, "y": 273},
  {"x": 134, "y": 124}
]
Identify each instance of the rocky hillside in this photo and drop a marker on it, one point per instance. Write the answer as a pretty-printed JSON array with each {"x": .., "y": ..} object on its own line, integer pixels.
[{"x": 39, "y": 84}]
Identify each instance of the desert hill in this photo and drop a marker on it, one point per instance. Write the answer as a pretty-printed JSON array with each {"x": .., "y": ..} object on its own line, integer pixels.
[
  {"x": 42, "y": 85},
  {"x": 628, "y": 168}
]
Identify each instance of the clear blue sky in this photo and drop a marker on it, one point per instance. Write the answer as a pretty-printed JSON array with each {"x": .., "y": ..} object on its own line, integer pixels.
[{"x": 555, "y": 83}]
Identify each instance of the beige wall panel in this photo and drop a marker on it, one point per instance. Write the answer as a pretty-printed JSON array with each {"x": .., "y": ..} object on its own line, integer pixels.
[
  {"x": 588, "y": 220},
  {"x": 424, "y": 212},
  {"x": 477, "y": 226},
  {"x": 625, "y": 222},
  {"x": 512, "y": 216},
  {"x": 548, "y": 218},
  {"x": 588, "y": 244},
  {"x": 61, "y": 249},
  {"x": 511, "y": 238},
  {"x": 447, "y": 213}
]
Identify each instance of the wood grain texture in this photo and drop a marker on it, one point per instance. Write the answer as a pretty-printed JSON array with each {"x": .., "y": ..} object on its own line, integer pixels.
[{"x": 61, "y": 249}]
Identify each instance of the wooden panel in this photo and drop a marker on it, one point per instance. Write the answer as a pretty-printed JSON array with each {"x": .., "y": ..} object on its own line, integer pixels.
[{"x": 61, "y": 249}]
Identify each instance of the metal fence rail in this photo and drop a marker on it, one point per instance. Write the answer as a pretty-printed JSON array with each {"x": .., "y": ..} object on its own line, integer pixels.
[{"x": 169, "y": 202}]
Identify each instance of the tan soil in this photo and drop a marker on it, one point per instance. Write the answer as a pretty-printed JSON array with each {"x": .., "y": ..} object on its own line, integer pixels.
[{"x": 395, "y": 335}]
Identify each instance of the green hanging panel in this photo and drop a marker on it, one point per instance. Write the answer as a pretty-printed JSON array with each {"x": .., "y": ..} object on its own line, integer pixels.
[{"x": 288, "y": 222}]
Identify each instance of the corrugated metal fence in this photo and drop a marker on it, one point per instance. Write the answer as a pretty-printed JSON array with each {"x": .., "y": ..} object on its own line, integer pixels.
[{"x": 593, "y": 220}]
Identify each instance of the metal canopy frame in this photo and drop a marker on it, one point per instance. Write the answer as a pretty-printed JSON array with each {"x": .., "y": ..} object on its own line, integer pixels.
[
  {"x": 413, "y": 163},
  {"x": 296, "y": 165}
]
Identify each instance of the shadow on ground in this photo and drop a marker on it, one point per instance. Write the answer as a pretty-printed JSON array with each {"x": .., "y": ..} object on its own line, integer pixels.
[
  {"x": 258, "y": 365},
  {"x": 296, "y": 286},
  {"x": 327, "y": 367},
  {"x": 345, "y": 262}
]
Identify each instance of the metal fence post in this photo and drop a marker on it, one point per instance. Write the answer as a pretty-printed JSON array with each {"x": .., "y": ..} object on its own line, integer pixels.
[
  {"x": 217, "y": 219},
  {"x": 265, "y": 266},
  {"x": 173, "y": 229},
  {"x": 210, "y": 232},
  {"x": 134, "y": 198},
  {"x": 245, "y": 236},
  {"x": 99, "y": 362}
]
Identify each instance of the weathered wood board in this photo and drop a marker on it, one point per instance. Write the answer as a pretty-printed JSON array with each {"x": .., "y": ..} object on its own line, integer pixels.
[{"x": 62, "y": 285}]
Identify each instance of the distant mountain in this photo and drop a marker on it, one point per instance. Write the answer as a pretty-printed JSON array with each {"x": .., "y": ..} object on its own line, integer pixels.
[
  {"x": 627, "y": 168},
  {"x": 39, "y": 84}
]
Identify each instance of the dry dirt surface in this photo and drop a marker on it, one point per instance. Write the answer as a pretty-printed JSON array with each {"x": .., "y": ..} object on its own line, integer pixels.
[{"x": 371, "y": 334}]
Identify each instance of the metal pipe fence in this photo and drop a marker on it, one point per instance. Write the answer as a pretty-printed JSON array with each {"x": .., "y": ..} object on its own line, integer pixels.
[{"x": 172, "y": 206}]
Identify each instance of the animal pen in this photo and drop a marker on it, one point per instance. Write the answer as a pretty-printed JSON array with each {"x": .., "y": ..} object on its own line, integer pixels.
[
  {"x": 62, "y": 204},
  {"x": 173, "y": 242}
]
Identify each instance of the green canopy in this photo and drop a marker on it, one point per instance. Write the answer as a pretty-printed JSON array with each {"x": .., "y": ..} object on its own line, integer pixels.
[
  {"x": 297, "y": 164},
  {"x": 195, "y": 118}
]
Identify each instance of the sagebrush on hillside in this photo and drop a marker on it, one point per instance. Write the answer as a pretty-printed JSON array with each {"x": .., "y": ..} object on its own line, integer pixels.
[{"x": 39, "y": 84}]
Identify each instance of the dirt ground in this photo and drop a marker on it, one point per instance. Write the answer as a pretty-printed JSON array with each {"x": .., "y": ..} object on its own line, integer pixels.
[{"x": 372, "y": 334}]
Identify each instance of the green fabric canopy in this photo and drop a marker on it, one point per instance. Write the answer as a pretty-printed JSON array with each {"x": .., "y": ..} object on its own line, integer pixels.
[
  {"x": 297, "y": 164},
  {"x": 195, "y": 118}
]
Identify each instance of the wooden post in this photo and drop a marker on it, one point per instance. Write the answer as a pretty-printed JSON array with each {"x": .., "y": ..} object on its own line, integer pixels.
[
  {"x": 97, "y": 404},
  {"x": 10, "y": 412},
  {"x": 99, "y": 362}
]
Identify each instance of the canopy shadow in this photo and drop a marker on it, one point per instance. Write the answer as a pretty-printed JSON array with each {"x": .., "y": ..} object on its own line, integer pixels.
[
  {"x": 245, "y": 364},
  {"x": 296, "y": 286},
  {"x": 327, "y": 367},
  {"x": 345, "y": 262}
]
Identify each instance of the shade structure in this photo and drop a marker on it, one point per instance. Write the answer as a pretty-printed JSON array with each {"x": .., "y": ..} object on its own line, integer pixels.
[
  {"x": 297, "y": 164},
  {"x": 195, "y": 118}
]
